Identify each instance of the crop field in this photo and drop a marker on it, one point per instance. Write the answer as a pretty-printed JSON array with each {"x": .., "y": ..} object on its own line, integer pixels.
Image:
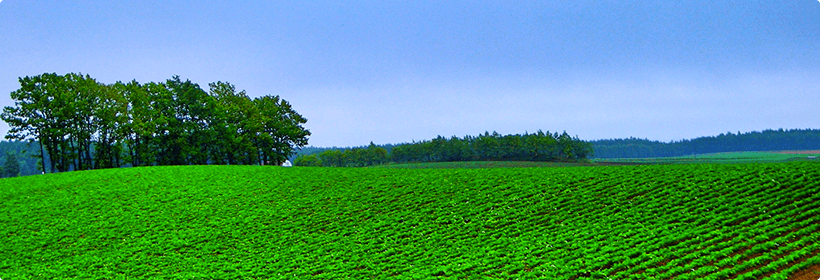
[
  {"x": 694, "y": 221},
  {"x": 482, "y": 164},
  {"x": 728, "y": 157}
]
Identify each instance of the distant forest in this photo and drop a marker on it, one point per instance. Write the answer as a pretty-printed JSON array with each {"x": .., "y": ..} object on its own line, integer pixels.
[
  {"x": 538, "y": 146},
  {"x": 767, "y": 140}
]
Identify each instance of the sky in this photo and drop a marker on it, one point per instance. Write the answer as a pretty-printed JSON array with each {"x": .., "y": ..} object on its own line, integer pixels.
[{"x": 401, "y": 71}]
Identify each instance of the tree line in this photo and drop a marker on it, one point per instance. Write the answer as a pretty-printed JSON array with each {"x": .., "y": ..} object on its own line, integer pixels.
[
  {"x": 79, "y": 123},
  {"x": 540, "y": 146},
  {"x": 766, "y": 140}
]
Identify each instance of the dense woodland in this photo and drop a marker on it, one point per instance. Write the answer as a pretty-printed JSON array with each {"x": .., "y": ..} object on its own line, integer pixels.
[
  {"x": 539, "y": 146},
  {"x": 78, "y": 123},
  {"x": 767, "y": 140}
]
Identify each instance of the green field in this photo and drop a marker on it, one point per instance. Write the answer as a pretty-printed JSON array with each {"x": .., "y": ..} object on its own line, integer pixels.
[
  {"x": 695, "y": 221},
  {"x": 482, "y": 164},
  {"x": 727, "y": 157}
]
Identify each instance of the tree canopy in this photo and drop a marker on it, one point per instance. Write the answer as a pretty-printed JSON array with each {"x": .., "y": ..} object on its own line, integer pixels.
[{"x": 80, "y": 123}]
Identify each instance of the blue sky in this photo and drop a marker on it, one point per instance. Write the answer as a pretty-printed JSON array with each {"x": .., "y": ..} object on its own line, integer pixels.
[{"x": 397, "y": 71}]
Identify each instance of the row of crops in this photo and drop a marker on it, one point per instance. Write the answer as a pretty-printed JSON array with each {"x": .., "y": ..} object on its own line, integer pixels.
[{"x": 742, "y": 221}]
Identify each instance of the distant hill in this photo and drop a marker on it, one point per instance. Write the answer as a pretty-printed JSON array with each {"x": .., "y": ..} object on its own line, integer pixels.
[{"x": 767, "y": 140}]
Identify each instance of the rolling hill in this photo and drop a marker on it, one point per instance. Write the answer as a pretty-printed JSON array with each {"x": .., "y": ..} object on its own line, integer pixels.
[{"x": 694, "y": 221}]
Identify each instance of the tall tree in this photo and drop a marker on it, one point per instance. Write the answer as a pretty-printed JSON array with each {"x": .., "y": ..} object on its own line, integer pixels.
[
  {"x": 193, "y": 109},
  {"x": 235, "y": 124},
  {"x": 168, "y": 134},
  {"x": 81, "y": 96},
  {"x": 110, "y": 120},
  {"x": 282, "y": 131},
  {"x": 138, "y": 129},
  {"x": 35, "y": 117}
]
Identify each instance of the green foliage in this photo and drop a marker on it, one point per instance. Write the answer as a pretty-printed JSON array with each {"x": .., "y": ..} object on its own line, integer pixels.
[
  {"x": 539, "y": 146},
  {"x": 310, "y": 160},
  {"x": 281, "y": 129},
  {"x": 79, "y": 123},
  {"x": 630, "y": 222}
]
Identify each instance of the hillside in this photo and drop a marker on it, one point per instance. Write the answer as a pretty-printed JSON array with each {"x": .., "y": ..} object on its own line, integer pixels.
[{"x": 749, "y": 221}]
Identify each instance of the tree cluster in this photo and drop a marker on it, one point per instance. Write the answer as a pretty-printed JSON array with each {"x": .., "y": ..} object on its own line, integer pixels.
[
  {"x": 81, "y": 124},
  {"x": 767, "y": 140},
  {"x": 539, "y": 146},
  {"x": 355, "y": 157}
]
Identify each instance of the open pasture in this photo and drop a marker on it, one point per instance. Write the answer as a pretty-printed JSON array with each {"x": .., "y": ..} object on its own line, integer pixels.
[{"x": 702, "y": 221}]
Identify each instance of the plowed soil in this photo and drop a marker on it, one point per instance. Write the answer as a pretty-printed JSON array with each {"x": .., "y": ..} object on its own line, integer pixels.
[{"x": 811, "y": 273}]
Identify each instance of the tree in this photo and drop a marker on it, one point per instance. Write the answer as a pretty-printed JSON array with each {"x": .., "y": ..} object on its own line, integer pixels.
[
  {"x": 166, "y": 129},
  {"x": 235, "y": 122},
  {"x": 34, "y": 116},
  {"x": 281, "y": 130},
  {"x": 137, "y": 129},
  {"x": 80, "y": 123},
  {"x": 375, "y": 155},
  {"x": 310, "y": 160},
  {"x": 110, "y": 123},
  {"x": 331, "y": 158},
  {"x": 193, "y": 109},
  {"x": 11, "y": 168},
  {"x": 86, "y": 106}
]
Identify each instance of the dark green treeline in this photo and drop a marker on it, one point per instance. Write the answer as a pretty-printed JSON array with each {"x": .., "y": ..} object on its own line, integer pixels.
[
  {"x": 539, "y": 146},
  {"x": 79, "y": 123}
]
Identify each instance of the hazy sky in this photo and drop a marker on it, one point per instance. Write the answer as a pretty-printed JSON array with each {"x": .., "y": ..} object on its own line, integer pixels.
[{"x": 396, "y": 71}]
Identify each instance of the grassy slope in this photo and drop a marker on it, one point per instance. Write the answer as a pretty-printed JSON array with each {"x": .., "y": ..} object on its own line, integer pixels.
[{"x": 230, "y": 222}]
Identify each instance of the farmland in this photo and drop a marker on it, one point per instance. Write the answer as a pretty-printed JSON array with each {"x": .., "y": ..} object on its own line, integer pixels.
[
  {"x": 482, "y": 164},
  {"x": 727, "y": 157},
  {"x": 694, "y": 221}
]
